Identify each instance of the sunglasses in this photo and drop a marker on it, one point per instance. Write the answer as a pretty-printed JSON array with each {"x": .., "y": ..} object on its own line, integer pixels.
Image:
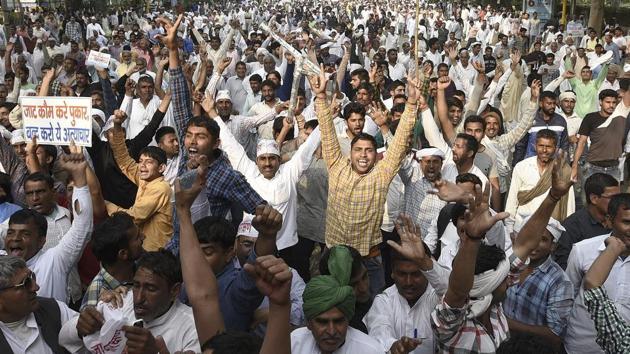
[{"x": 27, "y": 283}]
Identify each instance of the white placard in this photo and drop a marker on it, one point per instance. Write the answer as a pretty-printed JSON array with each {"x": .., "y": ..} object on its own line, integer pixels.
[
  {"x": 58, "y": 120},
  {"x": 98, "y": 59}
]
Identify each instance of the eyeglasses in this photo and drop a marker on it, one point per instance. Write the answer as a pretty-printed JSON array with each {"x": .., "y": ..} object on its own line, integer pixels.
[{"x": 27, "y": 283}]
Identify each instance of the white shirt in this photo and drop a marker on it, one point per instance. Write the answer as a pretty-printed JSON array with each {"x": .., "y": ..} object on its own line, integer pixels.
[
  {"x": 580, "y": 337},
  {"x": 52, "y": 266},
  {"x": 25, "y": 337},
  {"x": 265, "y": 131},
  {"x": 391, "y": 318},
  {"x": 176, "y": 326},
  {"x": 91, "y": 27},
  {"x": 525, "y": 177},
  {"x": 397, "y": 72},
  {"x": 140, "y": 116},
  {"x": 357, "y": 342},
  {"x": 280, "y": 191},
  {"x": 238, "y": 95}
]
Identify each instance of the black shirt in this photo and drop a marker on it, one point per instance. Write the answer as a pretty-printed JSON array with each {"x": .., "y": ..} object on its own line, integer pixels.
[{"x": 579, "y": 226}]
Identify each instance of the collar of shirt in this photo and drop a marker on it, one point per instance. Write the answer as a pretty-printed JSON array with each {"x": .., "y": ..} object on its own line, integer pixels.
[
  {"x": 545, "y": 266},
  {"x": 109, "y": 280}
]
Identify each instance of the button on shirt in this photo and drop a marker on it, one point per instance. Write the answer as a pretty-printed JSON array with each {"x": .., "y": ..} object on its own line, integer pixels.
[
  {"x": 26, "y": 338},
  {"x": 280, "y": 191},
  {"x": 357, "y": 342},
  {"x": 176, "y": 326},
  {"x": 581, "y": 334},
  {"x": 544, "y": 298},
  {"x": 391, "y": 318},
  {"x": 52, "y": 266}
]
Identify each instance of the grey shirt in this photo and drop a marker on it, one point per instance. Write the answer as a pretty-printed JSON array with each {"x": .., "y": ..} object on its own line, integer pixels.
[{"x": 312, "y": 196}]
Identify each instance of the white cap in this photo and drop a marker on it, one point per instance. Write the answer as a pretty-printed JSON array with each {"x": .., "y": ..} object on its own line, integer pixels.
[
  {"x": 223, "y": 95},
  {"x": 430, "y": 151},
  {"x": 553, "y": 226},
  {"x": 245, "y": 228},
  {"x": 18, "y": 137},
  {"x": 267, "y": 146}
]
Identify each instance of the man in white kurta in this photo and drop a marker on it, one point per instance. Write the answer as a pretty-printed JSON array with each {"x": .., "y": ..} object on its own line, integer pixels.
[{"x": 279, "y": 190}]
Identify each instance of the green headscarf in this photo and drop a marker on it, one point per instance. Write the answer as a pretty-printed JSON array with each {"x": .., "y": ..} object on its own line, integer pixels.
[{"x": 324, "y": 292}]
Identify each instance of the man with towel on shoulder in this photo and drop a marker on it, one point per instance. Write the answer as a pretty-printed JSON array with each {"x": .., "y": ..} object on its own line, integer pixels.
[{"x": 329, "y": 305}]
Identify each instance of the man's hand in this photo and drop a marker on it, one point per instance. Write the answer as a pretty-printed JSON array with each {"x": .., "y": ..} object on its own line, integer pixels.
[
  {"x": 449, "y": 192},
  {"x": 443, "y": 83},
  {"x": 113, "y": 297},
  {"x": 208, "y": 105},
  {"x": 536, "y": 85},
  {"x": 569, "y": 74},
  {"x": 140, "y": 341},
  {"x": 452, "y": 53},
  {"x": 31, "y": 146},
  {"x": 378, "y": 115},
  {"x": 273, "y": 278},
  {"x": 280, "y": 107},
  {"x": 268, "y": 221},
  {"x": 75, "y": 164},
  {"x": 184, "y": 198},
  {"x": 130, "y": 88},
  {"x": 132, "y": 69},
  {"x": 223, "y": 64},
  {"x": 89, "y": 321},
  {"x": 318, "y": 83},
  {"x": 515, "y": 57},
  {"x": 119, "y": 118},
  {"x": 170, "y": 38},
  {"x": 478, "y": 217},
  {"x": 616, "y": 244},
  {"x": 404, "y": 345},
  {"x": 411, "y": 245},
  {"x": 561, "y": 176}
]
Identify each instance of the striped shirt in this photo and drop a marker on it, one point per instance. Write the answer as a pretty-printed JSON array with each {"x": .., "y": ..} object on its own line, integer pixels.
[{"x": 356, "y": 202}]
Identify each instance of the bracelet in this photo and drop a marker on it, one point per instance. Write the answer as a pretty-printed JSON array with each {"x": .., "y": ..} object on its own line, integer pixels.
[{"x": 554, "y": 198}]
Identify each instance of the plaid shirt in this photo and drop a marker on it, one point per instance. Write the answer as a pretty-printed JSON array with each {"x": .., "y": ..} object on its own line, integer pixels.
[
  {"x": 544, "y": 298},
  {"x": 455, "y": 333},
  {"x": 102, "y": 281},
  {"x": 73, "y": 31},
  {"x": 224, "y": 186},
  {"x": 613, "y": 333},
  {"x": 356, "y": 202}
]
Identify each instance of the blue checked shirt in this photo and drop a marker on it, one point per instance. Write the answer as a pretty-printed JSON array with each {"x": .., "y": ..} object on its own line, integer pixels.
[
  {"x": 544, "y": 298},
  {"x": 225, "y": 187}
]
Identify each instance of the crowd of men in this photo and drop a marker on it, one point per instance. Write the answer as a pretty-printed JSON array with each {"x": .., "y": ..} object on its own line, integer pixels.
[{"x": 283, "y": 178}]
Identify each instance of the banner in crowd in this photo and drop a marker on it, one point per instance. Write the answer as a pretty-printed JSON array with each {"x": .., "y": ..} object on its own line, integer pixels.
[
  {"x": 98, "y": 59},
  {"x": 58, "y": 120}
]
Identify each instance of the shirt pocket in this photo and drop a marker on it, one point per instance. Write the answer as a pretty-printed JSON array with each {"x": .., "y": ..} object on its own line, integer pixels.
[{"x": 279, "y": 195}]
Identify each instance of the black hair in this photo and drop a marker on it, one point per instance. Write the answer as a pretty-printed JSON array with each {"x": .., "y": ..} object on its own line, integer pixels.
[
  {"x": 363, "y": 74},
  {"x": 475, "y": 119},
  {"x": 211, "y": 126},
  {"x": 459, "y": 93},
  {"x": 160, "y": 133},
  {"x": 547, "y": 134},
  {"x": 269, "y": 83},
  {"x": 51, "y": 151},
  {"x": 5, "y": 184},
  {"x": 40, "y": 177},
  {"x": 548, "y": 94},
  {"x": 357, "y": 261},
  {"x": 256, "y": 78},
  {"x": 396, "y": 84},
  {"x": 24, "y": 216},
  {"x": 469, "y": 178},
  {"x": 457, "y": 212},
  {"x": 454, "y": 101},
  {"x": 399, "y": 108},
  {"x": 442, "y": 65},
  {"x": 488, "y": 258},
  {"x": 534, "y": 76},
  {"x": 155, "y": 153},
  {"x": 363, "y": 136},
  {"x": 624, "y": 84},
  {"x": 233, "y": 342},
  {"x": 619, "y": 201},
  {"x": 217, "y": 230},
  {"x": 353, "y": 107},
  {"x": 471, "y": 143},
  {"x": 311, "y": 124},
  {"x": 111, "y": 236},
  {"x": 608, "y": 93},
  {"x": 596, "y": 183},
  {"x": 162, "y": 263}
]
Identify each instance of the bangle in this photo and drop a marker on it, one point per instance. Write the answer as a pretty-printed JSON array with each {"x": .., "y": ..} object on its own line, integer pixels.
[{"x": 554, "y": 198}]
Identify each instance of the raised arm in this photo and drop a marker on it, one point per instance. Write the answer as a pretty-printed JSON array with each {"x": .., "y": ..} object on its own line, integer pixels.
[
  {"x": 200, "y": 282},
  {"x": 331, "y": 149},
  {"x": 116, "y": 138},
  {"x": 147, "y": 133},
  {"x": 73, "y": 242},
  {"x": 478, "y": 221},
  {"x": 531, "y": 233},
  {"x": 442, "y": 109},
  {"x": 509, "y": 139},
  {"x": 159, "y": 77},
  {"x": 612, "y": 330}
]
